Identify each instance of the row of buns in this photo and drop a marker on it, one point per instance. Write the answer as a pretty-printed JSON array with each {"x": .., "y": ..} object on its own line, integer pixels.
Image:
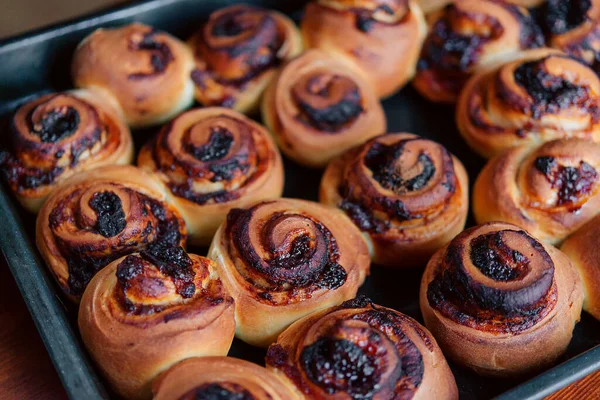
[{"x": 283, "y": 273}]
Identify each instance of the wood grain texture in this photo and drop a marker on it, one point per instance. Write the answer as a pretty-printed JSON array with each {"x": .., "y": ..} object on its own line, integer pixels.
[
  {"x": 26, "y": 371},
  {"x": 587, "y": 388}
]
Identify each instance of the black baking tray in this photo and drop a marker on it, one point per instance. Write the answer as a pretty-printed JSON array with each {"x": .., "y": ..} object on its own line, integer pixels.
[{"x": 39, "y": 61}]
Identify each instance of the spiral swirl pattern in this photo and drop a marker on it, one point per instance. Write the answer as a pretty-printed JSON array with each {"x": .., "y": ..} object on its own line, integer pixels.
[
  {"x": 573, "y": 27},
  {"x": 468, "y": 36},
  {"x": 499, "y": 287},
  {"x": 146, "y": 70},
  {"x": 286, "y": 258},
  {"x": 56, "y": 135},
  {"x": 318, "y": 107},
  {"x": 221, "y": 378},
  {"x": 540, "y": 97},
  {"x": 550, "y": 191},
  {"x": 401, "y": 190},
  {"x": 237, "y": 51},
  {"x": 211, "y": 160},
  {"x": 149, "y": 310},
  {"x": 360, "y": 350},
  {"x": 381, "y": 37},
  {"x": 98, "y": 217}
]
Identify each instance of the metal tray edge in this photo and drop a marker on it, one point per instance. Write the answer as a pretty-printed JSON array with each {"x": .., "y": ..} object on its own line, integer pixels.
[{"x": 46, "y": 309}]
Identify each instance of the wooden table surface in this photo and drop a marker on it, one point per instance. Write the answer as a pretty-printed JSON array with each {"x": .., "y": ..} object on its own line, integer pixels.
[{"x": 26, "y": 371}]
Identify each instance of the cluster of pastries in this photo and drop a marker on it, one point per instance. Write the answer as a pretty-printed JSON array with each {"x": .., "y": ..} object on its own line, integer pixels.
[{"x": 283, "y": 274}]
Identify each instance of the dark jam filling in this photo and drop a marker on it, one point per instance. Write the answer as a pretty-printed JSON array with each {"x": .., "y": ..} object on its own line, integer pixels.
[
  {"x": 218, "y": 391},
  {"x": 298, "y": 265},
  {"x": 110, "y": 216},
  {"x": 160, "y": 55},
  {"x": 83, "y": 266},
  {"x": 461, "y": 297},
  {"x": 218, "y": 146},
  {"x": 447, "y": 50},
  {"x": 56, "y": 125},
  {"x": 550, "y": 93},
  {"x": 366, "y": 19},
  {"x": 382, "y": 161},
  {"x": 334, "y": 117},
  {"x": 496, "y": 260},
  {"x": 571, "y": 183},
  {"x": 258, "y": 49},
  {"x": 339, "y": 365},
  {"x": 363, "y": 217},
  {"x": 560, "y": 16},
  {"x": 174, "y": 262},
  {"x": 531, "y": 33}
]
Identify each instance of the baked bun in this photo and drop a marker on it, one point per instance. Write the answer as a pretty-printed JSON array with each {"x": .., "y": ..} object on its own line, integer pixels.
[
  {"x": 550, "y": 191},
  {"x": 360, "y": 350},
  {"x": 212, "y": 160},
  {"x": 237, "y": 53},
  {"x": 583, "y": 248},
  {"x": 573, "y": 26},
  {"x": 382, "y": 37},
  {"x": 429, "y": 6},
  {"x": 542, "y": 96},
  {"x": 500, "y": 302},
  {"x": 221, "y": 378},
  {"x": 146, "y": 70},
  {"x": 98, "y": 216},
  {"x": 284, "y": 259},
  {"x": 54, "y": 136},
  {"x": 145, "y": 312},
  {"x": 407, "y": 194},
  {"x": 319, "y": 106},
  {"x": 467, "y": 37}
]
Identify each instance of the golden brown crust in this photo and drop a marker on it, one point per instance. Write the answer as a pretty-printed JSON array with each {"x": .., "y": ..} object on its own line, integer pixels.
[
  {"x": 583, "y": 248},
  {"x": 550, "y": 191},
  {"x": 319, "y": 106},
  {"x": 284, "y": 259},
  {"x": 146, "y": 70},
  {"x": 197, "y": 377},
  {"x": 147, "y": 311},
  {"x": 542, "y": 96},
  {"x": 237, "y": 53},
  {"x": 98, "y": 216},
  {"x": 573, "y": 26},
  {"x": 212, "y": 160},
  {"x": 407, "y": 194},
  {"x": 500, "y": 302},
  {"x": 57, "y": 135},
  {"x": 388, "y": 355},
  {"x": 382, "y": 37},
  {"x": 469, "y": 36}
]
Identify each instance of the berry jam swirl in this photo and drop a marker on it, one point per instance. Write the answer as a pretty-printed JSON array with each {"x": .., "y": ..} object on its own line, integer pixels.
[
  {"x": 284, "y": 255},
  {"x": 95, "y": 223},
  {"x": 218, "y": 391},
  {"x": 468, "y": 35},
  {"x": 55, "y": 135},
  {"x": 164, "y": 279},
  {"x": 398, "y": 180},
  {"x": 236, "y": 45},
  {"x": 357, "y": 349},
  {"x": 494, "y": 278},
  {"x": 210, "y": 156},
  {"x": 327, "y": 102},
  {"x": 368, "y": 14},
  {"x": 543, "y": 96},
  {"x": 572, "y": 26}
]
